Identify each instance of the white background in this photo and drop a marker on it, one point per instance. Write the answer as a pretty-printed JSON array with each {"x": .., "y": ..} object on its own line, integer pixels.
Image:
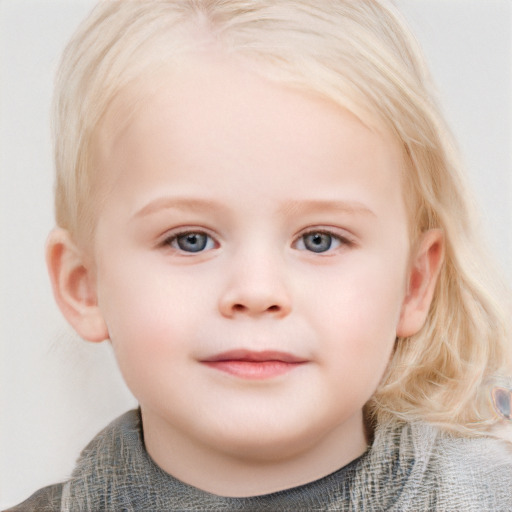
[{"x": 56, "y": 391}]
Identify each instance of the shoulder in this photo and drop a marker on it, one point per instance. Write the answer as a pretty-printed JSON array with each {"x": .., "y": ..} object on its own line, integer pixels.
[
  {"x": 480, "y": 461},
  {"x": 47, "y": 499},
  {"x": 97, "y": 454},
  {"x": 109, "y": 443},
  {"x": 467, "y": 473},
  {"x": 433, "y": 469}
]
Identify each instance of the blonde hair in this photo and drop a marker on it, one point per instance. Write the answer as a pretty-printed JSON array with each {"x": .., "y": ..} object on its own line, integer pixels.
[{"x": 360, "y": 55}]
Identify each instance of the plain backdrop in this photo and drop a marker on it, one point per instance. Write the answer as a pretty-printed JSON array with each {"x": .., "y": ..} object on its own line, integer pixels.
[{"x": 56, "y": 391}]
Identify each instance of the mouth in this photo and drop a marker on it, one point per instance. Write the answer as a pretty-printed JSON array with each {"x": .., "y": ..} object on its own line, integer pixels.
[{"x": 253, "y": 365}]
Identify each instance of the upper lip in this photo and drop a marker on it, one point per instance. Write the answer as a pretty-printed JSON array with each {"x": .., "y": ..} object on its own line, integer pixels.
[{"x": 255, "y": 356}]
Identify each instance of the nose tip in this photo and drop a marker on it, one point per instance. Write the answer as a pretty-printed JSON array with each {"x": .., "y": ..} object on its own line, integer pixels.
[
  {"x": 255, "y": 283},
  {"x": 255, "y": 300}
]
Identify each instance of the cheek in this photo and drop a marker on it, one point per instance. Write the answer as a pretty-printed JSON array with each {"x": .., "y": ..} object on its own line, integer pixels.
[
  {"x": 148, "y": 332},
  {"x": 143, "y": 312},
  {"x": 153, "y": 311},
  {"x": 365, "y": 293},
  {"x": 357, "y": 319}
]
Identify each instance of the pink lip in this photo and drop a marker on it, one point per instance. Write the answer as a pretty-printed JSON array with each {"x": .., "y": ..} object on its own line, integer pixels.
[{"x": 247, "y": 364}]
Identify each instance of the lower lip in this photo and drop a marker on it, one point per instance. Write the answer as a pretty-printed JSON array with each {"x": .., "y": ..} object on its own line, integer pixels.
[{"x": 255, "y": 370}]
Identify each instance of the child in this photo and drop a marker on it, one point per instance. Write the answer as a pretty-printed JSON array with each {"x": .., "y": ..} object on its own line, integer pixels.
[{"x": 258, "y": 204}]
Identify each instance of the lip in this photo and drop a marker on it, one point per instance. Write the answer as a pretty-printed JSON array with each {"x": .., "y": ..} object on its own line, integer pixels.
[{"x": 254, "y": 365}]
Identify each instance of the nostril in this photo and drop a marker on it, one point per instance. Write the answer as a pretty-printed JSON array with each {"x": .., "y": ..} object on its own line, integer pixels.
[{"x": 240, "y": 308}]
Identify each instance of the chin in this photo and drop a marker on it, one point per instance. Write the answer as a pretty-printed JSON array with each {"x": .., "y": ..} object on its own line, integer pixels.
[{"x": 267, "y": 441}]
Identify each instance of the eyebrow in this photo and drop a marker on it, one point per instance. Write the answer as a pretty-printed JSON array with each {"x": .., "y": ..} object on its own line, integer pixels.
[
  {"x": 311, "y": 206},
  {"x": 178, "y": 203},
  {"x": 290, "y": 208}
]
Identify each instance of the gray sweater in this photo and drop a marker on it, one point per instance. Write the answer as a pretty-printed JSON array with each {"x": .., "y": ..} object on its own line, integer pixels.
[{"x": 409, "y": 467}]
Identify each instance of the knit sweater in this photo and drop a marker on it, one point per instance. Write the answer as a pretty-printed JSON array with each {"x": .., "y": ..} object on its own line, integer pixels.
[{"x": 409, "y": 467}]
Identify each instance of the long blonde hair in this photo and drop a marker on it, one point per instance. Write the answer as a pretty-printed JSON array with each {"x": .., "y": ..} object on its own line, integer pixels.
[{"x": 360, "y": 55}]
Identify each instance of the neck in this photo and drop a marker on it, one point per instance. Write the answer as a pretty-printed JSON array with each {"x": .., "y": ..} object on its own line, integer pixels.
[{"x": 255, "y": 470}]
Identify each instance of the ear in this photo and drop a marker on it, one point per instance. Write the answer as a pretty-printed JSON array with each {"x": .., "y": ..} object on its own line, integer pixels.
[
  {"x": 74, "y": 286},
  {"x": 425, "y": 266}
]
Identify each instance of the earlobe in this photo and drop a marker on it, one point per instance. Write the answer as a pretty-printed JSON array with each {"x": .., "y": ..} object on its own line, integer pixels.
[
  {"x": 426, "y": 263},
  {"x": 73, "y": 286}
]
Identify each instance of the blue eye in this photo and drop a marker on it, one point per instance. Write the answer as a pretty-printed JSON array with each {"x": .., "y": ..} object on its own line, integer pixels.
[
  {"x": 192, "y": 242},
  {"x": 318, "y": 241}
]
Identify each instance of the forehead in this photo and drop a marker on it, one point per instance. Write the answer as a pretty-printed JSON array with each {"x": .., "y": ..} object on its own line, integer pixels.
[{"x": 216, "y": 118}]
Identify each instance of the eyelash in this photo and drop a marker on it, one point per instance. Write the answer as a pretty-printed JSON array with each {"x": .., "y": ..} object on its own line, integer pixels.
[
  {"x": 207, "y": 241},
  {"x": 333, "y": 237}
]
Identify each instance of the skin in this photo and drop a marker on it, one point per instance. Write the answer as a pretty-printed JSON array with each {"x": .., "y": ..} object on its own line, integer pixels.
[{"x": 259, "y": 170}]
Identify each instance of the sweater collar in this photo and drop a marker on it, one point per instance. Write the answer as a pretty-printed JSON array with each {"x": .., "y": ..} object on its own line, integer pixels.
[{"x": 115, "y": 472}]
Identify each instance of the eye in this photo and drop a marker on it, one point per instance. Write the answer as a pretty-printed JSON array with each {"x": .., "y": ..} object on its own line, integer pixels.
[
  {"x": 319, "y": 241},
  {"x": 191, "y": 241}
]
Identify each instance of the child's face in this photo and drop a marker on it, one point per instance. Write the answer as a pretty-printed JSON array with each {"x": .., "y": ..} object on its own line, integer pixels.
[{"x": 251, "y": 263}]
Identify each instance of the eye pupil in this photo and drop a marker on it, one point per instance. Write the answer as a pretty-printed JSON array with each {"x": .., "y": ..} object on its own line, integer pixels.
[
  {"x": 318, "y": 242},
  {"x": 192, "y": 242}
]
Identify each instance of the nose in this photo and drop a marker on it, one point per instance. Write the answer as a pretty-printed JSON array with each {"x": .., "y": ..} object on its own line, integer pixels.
[{"x": 255, "y": 287}]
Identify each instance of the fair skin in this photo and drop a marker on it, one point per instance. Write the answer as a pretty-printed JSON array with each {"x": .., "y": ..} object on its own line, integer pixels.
[{"x": 252, "y": 269}]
